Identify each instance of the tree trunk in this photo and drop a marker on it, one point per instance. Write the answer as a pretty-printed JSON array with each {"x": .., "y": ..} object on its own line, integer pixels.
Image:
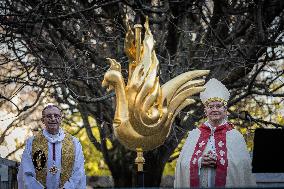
[
  {"x": 123, "y": 180},
  {"x": 153, "y": 175}
]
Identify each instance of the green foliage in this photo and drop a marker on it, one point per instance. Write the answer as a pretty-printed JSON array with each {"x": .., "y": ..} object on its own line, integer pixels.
[
  {"x": 94, "y": 162},
  {"x": 170, "y": 168},
  {"x": 280, "y": 119},
  {"x": 255, "y": 109}
]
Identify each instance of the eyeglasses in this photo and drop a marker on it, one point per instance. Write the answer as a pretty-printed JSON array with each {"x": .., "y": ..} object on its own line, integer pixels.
[
  {"x": 49, "y": 116},
  {"x": 216, "y": 106}
]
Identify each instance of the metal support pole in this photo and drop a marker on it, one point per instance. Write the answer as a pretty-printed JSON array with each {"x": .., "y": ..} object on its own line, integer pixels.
[{"x": 140, "y": 161}]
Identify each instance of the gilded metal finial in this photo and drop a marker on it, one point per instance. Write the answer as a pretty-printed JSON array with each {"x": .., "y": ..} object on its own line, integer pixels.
[{"x": 139, "y": 159}]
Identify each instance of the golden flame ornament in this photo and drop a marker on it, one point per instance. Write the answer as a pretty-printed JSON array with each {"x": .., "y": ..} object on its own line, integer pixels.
[{"x": 145, "y": 110}]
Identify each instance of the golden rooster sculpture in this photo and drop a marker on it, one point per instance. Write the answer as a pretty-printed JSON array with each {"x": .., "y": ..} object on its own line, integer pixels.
[{"x": 145, "y": 110}]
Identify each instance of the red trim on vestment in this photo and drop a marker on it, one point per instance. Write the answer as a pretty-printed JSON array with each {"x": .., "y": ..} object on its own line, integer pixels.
[{"x": 221, "y": 150}]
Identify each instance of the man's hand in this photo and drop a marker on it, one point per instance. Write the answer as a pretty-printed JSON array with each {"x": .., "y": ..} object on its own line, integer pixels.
[{"x": 209, "y": 160}]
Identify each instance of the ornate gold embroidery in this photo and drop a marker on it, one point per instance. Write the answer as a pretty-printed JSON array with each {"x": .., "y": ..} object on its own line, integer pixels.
[
  {"x": 68, "y": 157},
  {"x": 40, "y": 152}
]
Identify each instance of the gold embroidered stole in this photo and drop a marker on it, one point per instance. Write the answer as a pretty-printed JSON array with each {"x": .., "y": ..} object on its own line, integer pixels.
[
  {"x": 40, "y": 154},
  {"x": 67, "y": 160}
]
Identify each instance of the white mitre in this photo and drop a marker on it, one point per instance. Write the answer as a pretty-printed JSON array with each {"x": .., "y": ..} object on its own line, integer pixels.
[{"x": 214, "y": 91}]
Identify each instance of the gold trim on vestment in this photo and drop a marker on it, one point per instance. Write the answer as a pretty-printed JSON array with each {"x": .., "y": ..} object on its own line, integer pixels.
[
  {"x": 40, "y": 146},
  {"x": 68, "y": 157}
]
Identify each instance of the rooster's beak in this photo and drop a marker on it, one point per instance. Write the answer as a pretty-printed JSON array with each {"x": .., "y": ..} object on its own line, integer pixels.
[
  {"x": 108, "y": 86},
  {"x": 104, "y": 83}
]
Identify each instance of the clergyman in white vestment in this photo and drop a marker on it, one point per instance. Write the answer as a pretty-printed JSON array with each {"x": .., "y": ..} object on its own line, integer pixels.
[
  {"x": 214, "y": 154},
  {"x": 52, "y": 159}
]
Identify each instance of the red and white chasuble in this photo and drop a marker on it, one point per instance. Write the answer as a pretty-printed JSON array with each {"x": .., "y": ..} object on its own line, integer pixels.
[{"x": 233, "y": 160}]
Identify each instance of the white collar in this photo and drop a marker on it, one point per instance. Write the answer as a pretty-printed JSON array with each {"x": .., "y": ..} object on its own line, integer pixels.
[
  {"x": 213, "y": 128},
  {"x": 54, "y": 138}
]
